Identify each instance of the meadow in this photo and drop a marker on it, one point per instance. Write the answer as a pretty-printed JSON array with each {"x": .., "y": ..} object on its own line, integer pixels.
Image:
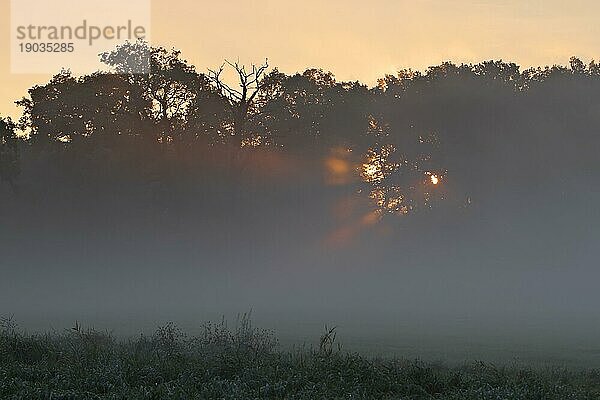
[{"x": 244, "y": 362}]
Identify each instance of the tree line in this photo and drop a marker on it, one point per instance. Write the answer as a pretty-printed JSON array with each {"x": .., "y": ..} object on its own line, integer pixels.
[{"x": 489, "y": 121}]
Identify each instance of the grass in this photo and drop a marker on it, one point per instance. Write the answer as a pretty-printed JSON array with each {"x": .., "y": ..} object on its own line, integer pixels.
[{"x": 244, "y": 362}]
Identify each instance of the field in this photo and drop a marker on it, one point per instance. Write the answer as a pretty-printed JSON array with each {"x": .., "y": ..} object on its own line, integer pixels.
[{"x": 244, "y": 362}]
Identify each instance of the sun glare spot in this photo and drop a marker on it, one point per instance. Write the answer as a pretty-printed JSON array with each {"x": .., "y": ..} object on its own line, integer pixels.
[
  {"x": 372, "y": 172},
  {"x": 338, "y": 166}
]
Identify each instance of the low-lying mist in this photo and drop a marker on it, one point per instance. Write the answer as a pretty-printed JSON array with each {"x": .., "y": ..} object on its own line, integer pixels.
[
  {"x": 449, "y": 214},
  {"x": 197, "y": 239}
]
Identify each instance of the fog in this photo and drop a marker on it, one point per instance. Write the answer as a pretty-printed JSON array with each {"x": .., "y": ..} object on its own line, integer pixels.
[
  {"x": 450, "y": 215},
  {"x": 513, "y": 278}
]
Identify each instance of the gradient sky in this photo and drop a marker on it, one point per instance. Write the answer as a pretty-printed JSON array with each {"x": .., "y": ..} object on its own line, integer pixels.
[{"x": 356, "y": 40}]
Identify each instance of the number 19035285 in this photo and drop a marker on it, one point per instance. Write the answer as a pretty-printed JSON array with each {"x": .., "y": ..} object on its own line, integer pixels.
[{"x": 46, "y": 47}]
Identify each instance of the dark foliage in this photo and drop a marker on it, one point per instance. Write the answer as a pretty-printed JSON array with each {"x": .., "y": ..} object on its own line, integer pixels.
[{"x": 483, "y": 129}]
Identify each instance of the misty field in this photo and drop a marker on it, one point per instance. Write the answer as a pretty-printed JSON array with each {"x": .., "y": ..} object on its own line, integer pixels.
[{"x": 244, "y": 362}]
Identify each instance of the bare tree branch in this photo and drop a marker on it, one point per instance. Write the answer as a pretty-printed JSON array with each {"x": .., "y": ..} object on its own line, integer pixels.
[{"x": 250, "y": 83}]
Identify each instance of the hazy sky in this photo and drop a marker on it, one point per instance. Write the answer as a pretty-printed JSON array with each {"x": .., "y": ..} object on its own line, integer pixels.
[{"x": 357, "y": 39}]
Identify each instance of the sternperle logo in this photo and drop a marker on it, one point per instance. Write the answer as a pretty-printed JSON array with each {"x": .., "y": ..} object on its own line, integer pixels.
[
  {"x": 85, "y": 31},
  {"x": 49, "y": 36}
]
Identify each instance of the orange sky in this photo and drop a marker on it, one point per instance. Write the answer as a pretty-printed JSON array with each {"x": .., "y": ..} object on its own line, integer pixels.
[{"x": 356, "y": 39}]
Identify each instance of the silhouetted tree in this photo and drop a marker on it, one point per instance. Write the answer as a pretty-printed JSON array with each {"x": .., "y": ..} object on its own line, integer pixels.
[
  {"x": 468, "y": 124},
  {"x": 54, "y": 111},
  {"x": 312, "y": 109},
  {"x": 172, "y": 86},
  {"x": 294, "y": 107},
  {"x": 9, "y": 153},
  {"x": 242, "y": 100},
  {"x": 99, "y": 105},
  {"x": 208, "y": 115}
]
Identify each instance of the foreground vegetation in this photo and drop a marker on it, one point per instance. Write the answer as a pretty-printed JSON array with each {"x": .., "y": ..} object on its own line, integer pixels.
[{"x": 244, "y": 363}]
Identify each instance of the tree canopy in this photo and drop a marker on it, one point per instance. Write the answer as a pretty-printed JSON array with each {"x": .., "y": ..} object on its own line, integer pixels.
[{"x": 412, "y": 140}]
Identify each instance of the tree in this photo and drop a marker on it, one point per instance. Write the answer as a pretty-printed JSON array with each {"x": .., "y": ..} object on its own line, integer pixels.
[
  {"x": 577, "y": 66},
  {"x": 53, "y": 111},
  {"x": 171, "y": 84},
  {"x": 9, "y": 153},
  {"x": 99, "y": 105},
  {"x": 171, "y": 99},
  {"x": 299, "y": 110},
  {"x": 292, "y": 108},
  {"x": 499, "y": 72},
  {"x": 112, "y": 105},
  {"x": 242, "y": 101}
]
